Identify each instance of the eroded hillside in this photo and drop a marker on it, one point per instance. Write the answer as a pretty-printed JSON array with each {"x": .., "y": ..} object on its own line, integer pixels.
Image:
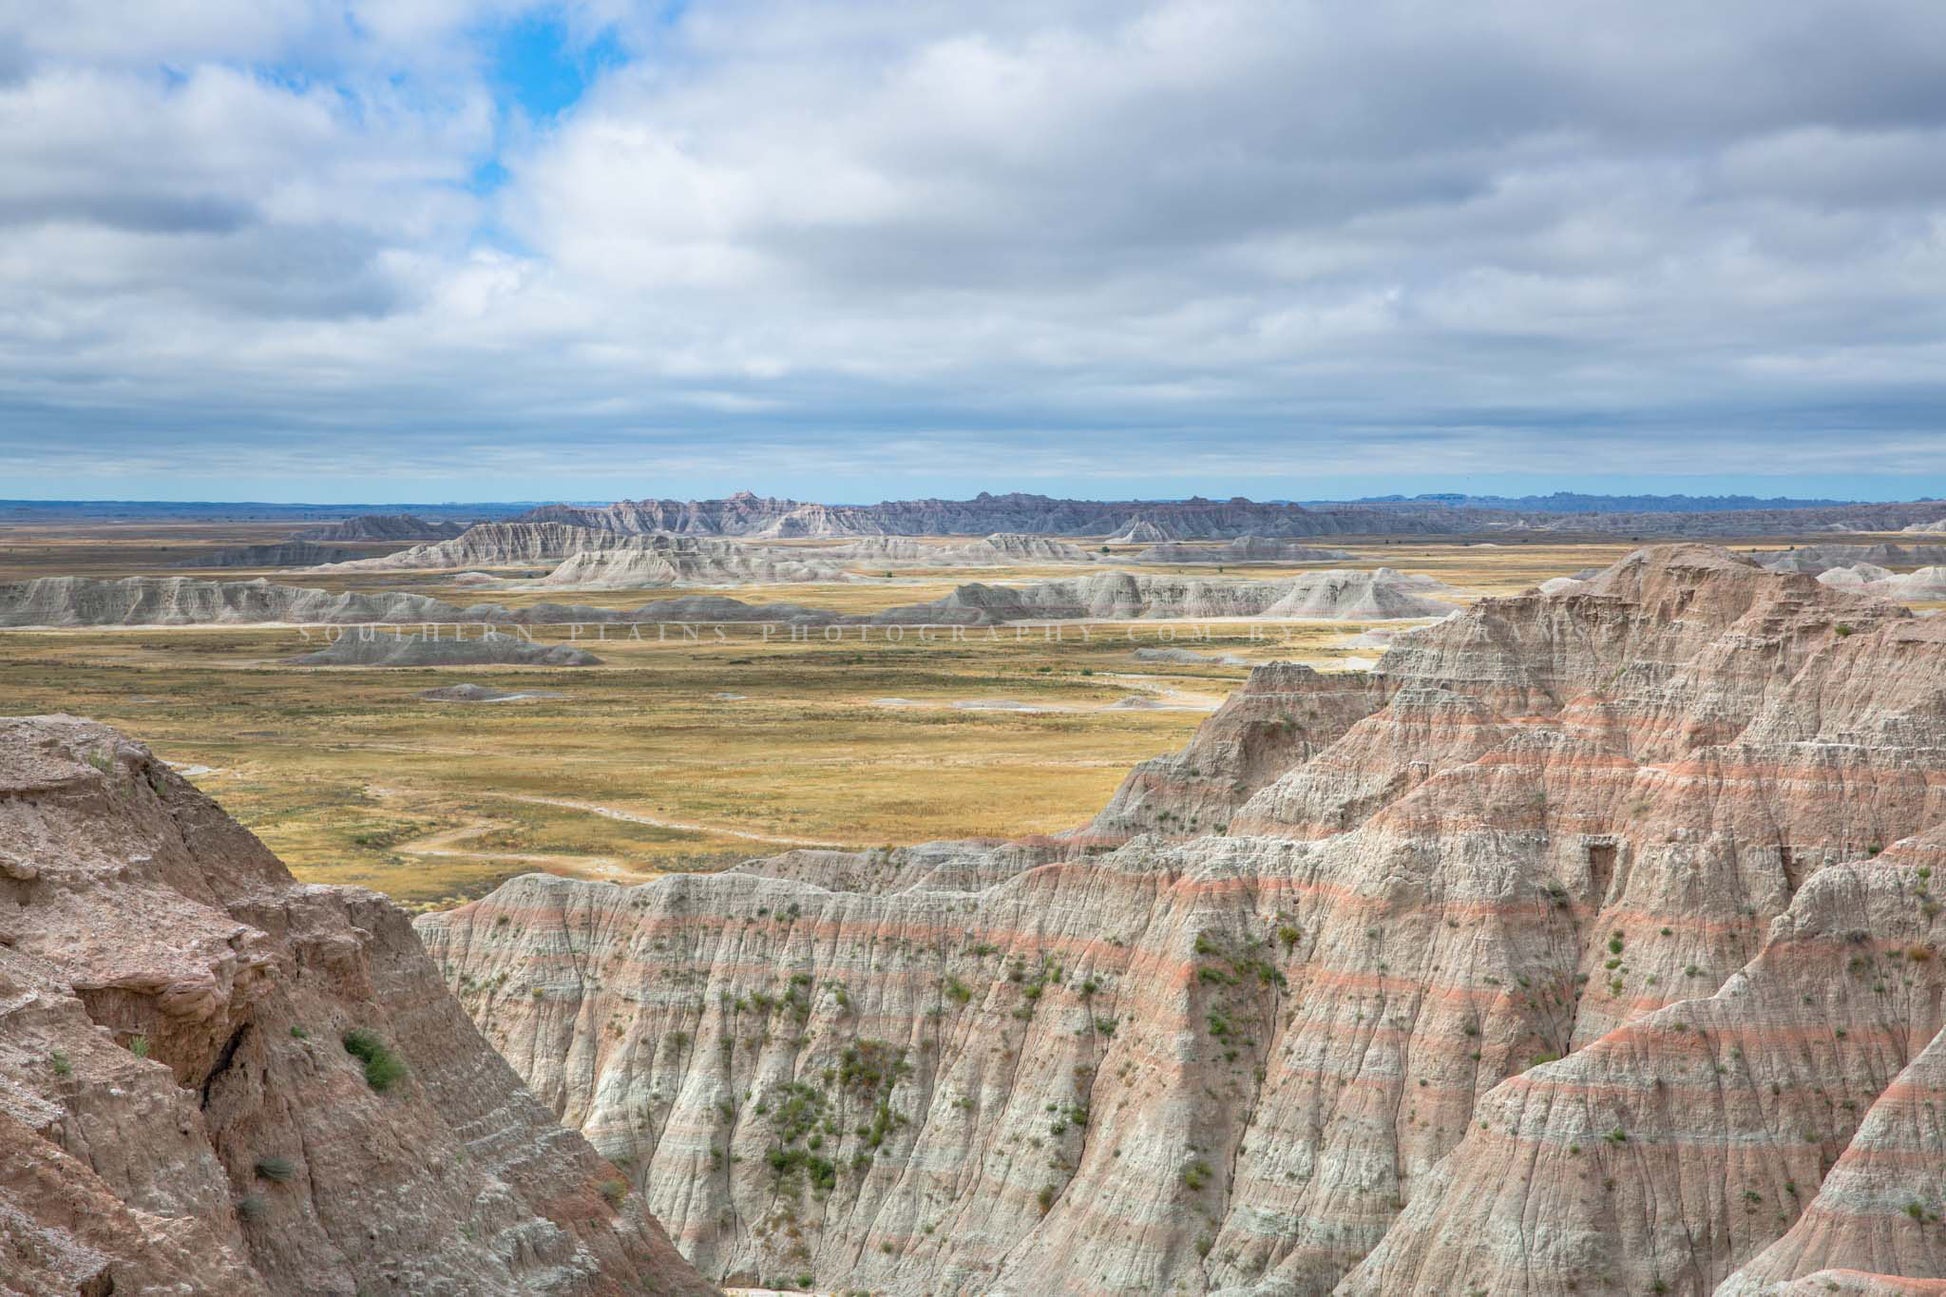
[
  {"x": 1568, "y": 952},
  {"x": 214, "y": 1080}
]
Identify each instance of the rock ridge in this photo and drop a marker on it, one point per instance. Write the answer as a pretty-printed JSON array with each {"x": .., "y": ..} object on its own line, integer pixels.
[
  {"x": 181, "y": 1107},
  {"x": 1516, "y": 966}
]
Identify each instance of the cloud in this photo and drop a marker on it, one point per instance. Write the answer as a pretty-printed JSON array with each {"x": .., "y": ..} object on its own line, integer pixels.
[{"x": 1067, "y": 241}]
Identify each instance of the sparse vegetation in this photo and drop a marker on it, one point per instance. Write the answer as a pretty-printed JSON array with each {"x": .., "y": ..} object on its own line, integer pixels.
[{"x": 383, "y": 1068}]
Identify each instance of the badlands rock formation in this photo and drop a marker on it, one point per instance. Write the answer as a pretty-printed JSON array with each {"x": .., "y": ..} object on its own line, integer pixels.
[
  {"x": 1855, "y": 578},
  {"x": 185, "y": 601},
  {"x": 490, "y": 544},
  {"x": 744, "y": 514},
  {"x": 383, "y": 526},
  {"x": 291, "y": 553},
  {"x": 1822, "y": 558},
  {"x": 1242, "y": 550},
  {"x": 1013, "y": 547},
  {"x": 1284, "y": 715},
  {"x": 990, "y": 551},
  {"x": 443, "y": 646},
  {"x": 1141, "y": 531},
  {"x": 1382, "y": 593},
  {"x": 587, "y": 559},
  {"x": 1153, "y": 521},
  {"x": 1926, "y": 584},
  {"x": 179, "y": 1109},
  {"x": 645, "y": 562},
  {"x": 1580, "y": 948}
]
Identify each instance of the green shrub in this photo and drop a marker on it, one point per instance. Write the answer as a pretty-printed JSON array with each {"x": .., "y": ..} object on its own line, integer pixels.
[
  {"x": 382, "y": 1066},
  {"x": 614, "y": 1192},
  {"x": 277, "y": 1170},
  {"x": 138, "y": 1046},
  {"x": 62, "y": 1065},
  {"x": 252, "y": 1207}
]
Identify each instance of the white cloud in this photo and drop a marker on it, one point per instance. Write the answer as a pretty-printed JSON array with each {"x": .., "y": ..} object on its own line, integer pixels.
[{"x": 1568, "y": 234}]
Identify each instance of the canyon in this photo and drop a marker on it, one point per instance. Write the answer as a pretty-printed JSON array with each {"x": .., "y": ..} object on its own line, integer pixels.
[{"x": 1586, "y": 944}]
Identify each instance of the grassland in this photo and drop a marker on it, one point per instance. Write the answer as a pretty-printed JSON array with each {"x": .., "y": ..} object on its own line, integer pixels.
[
  {"x": 672, "y": 755},
  {"x": 712, "y": 751}
]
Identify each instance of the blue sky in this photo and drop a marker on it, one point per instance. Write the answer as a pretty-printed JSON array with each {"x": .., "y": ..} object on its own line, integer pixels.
[{"x": 283, "y": 249}]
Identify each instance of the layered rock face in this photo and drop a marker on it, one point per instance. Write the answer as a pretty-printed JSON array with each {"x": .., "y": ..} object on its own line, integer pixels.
[
  {"x": 291, "y": 553},
  {"x": 599, "y": 559},
  {"x": 58, "y": 601},
  {"x": 185, "y": 601},
  {"x": 1922, "y": 585},
  {"x": 641, "y": 562},
  {"x": 989, "y": 551},
  {"x": 1244, "y": 549},
  {"x": 383, "y": 526},
  {"x": 1107, "y": 596},
  {"x": 1823, "y": 558},
  {"x": 215, "y": 1080},
  {"x": 1583, "y": 947},
  {"x": 744, "y": 514},
  {"x": 1153, "y": 521},
  {"x": 491, "y": 544},
  {"x": 1284, "y": 715}
]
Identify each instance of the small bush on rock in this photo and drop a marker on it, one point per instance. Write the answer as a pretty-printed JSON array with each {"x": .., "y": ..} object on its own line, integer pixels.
[{"x": 382, "y": 1066}]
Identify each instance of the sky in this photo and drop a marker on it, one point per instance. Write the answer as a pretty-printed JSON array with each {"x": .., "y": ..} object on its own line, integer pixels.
[{"x": 349, "y": 250}]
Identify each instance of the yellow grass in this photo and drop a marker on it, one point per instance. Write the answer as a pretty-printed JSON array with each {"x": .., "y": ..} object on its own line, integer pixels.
[
  {"x": 645, "y": 764},
  {"x": 352, "y": 778}
]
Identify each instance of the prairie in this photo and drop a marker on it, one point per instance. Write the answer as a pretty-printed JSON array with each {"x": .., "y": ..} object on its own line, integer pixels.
[{"x": 674, "y": 754}]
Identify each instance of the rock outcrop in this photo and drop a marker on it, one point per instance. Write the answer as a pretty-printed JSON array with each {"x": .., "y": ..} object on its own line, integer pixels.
[
  {"x": 215, "y": 1080},
  {"x": 990, "y": 551},
  {"x": 1156, "y": 521},
  {"x": 591, "y": 559},
  {"x": 1567, "y": 952},
  {"x": 1116, "y": 596},
  {"x": 1243, "y": 550},
  {"x": 290, "y": 553},
  {"x": 1922, "y": 585},
  {"x": 383, "y": 526},
  {"x": 186, "y": 601},
  {"x": 1821, "y": 558},
  {"x": 443, "y": 646},
  {"x": 183, "y": 601},
  {"x": 1284, "y": 715},
  {"x": 744, "y": 514},
  {"x": 491, "y": 544},
  {"x": 646, "y": 562}
]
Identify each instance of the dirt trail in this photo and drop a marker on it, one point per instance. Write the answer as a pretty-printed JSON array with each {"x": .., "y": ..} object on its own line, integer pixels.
[
  {"x": 655, "y": 821},
  {"x": 446, "y": 843}
]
